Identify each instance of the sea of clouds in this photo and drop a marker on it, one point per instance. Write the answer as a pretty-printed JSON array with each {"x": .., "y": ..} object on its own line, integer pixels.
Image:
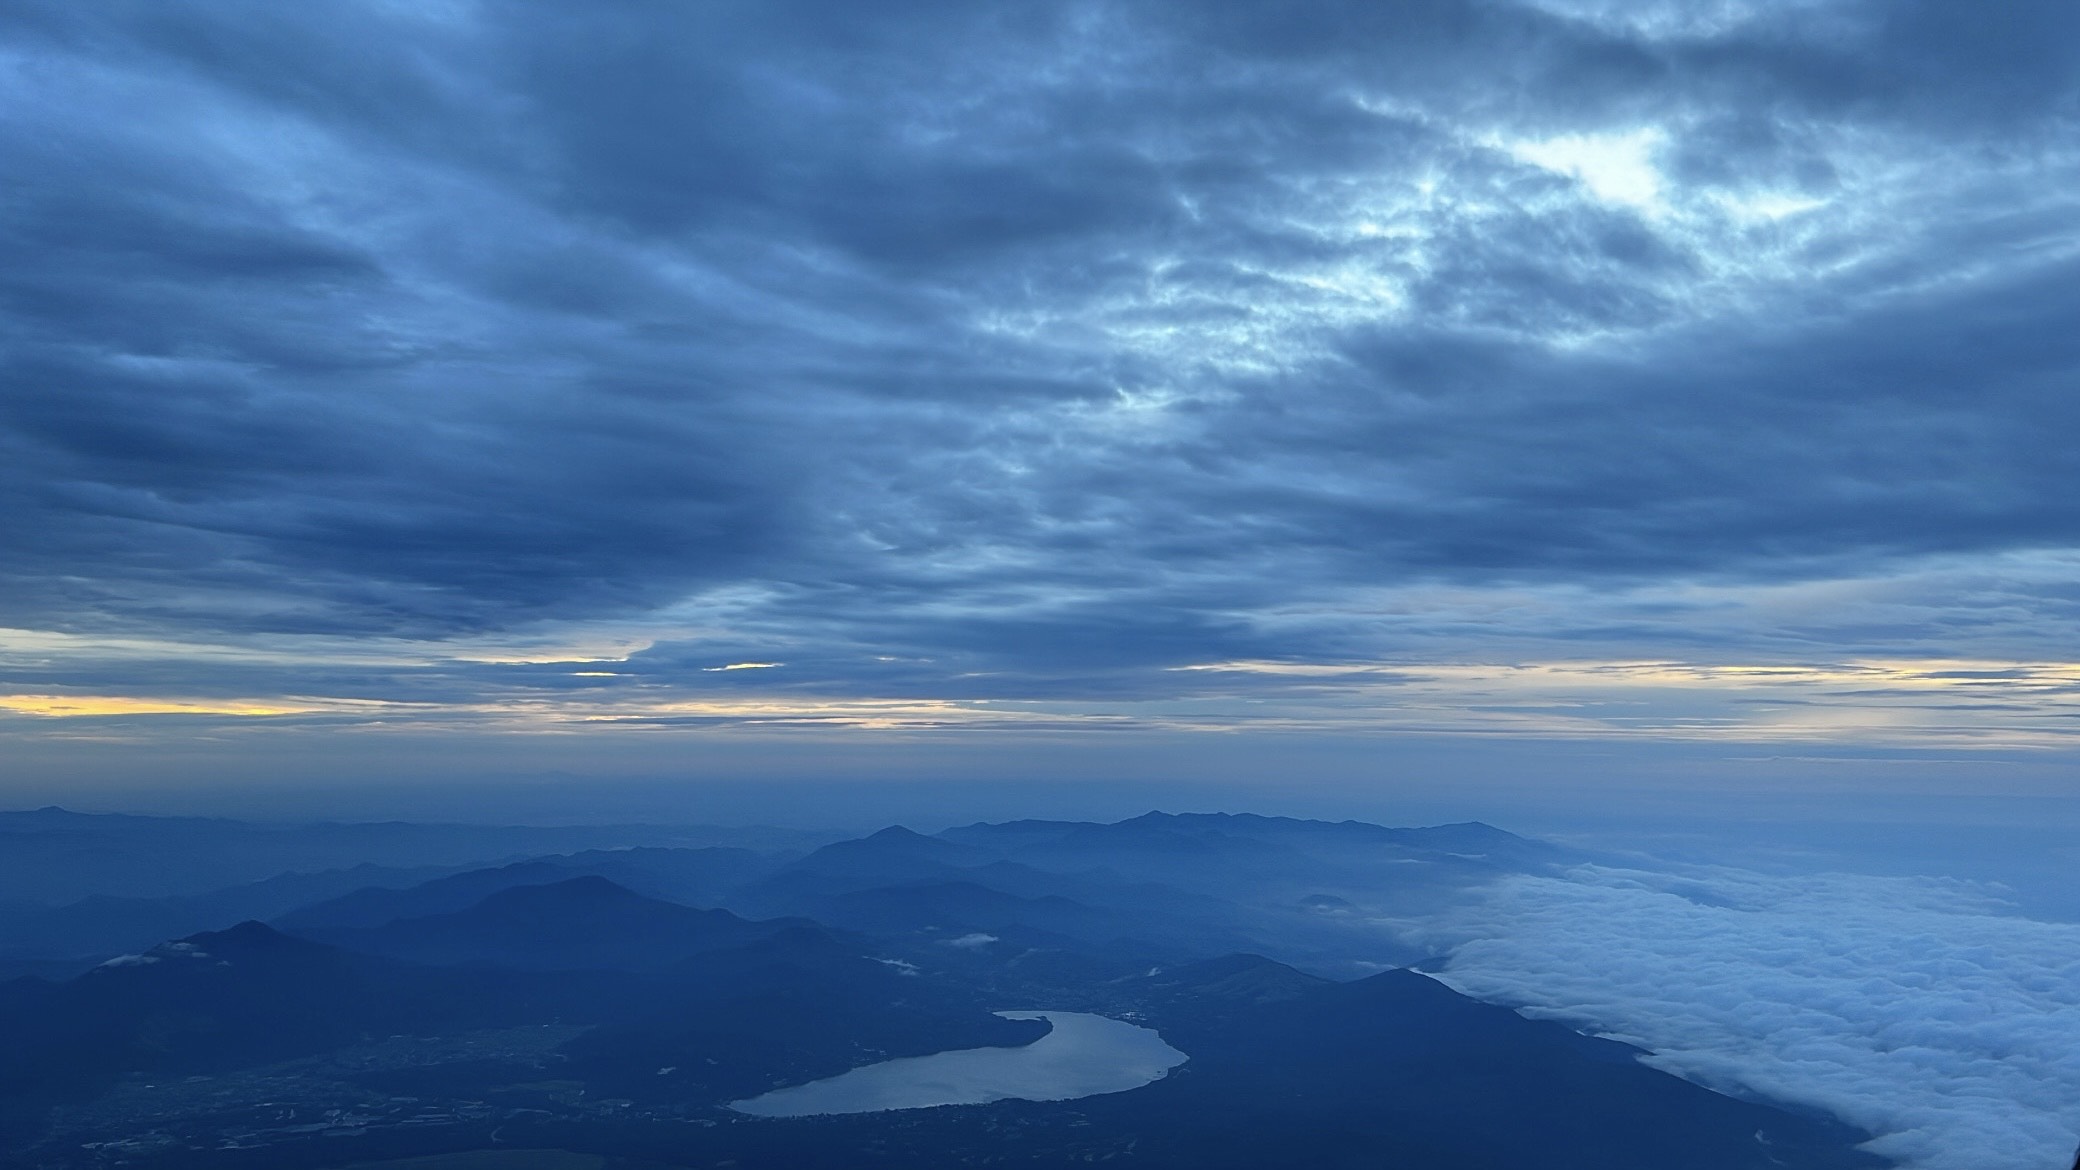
[{"x": 1924, "y": 1010}]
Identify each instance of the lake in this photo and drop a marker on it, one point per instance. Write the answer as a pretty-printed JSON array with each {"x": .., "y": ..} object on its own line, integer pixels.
[{"x": 1083, "y": 1056}]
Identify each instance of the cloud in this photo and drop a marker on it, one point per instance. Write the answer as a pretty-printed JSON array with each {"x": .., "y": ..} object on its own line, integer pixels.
[
  {"x": 1922, "y": 1009},
  {"x": 1026, "y": 356}
]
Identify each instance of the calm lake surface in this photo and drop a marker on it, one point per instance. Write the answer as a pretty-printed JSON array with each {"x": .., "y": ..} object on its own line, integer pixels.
[{"x": 1084, "y": 1056}]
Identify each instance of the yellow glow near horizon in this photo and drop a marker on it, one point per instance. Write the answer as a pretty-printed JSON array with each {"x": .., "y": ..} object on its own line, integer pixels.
[
  {"x": 1972, "y": 703},
  {"x": 75, "y": 706},
  {"x": 1901, "y": 702},
  {"x": 607, "y": 647}
]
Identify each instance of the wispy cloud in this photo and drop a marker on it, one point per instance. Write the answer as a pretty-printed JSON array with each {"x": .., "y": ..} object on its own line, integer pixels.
[{"x": 1028, "y": 357}]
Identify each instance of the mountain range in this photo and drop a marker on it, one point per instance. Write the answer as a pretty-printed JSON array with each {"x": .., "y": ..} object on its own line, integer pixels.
[{"x": 567, "y": 1001}]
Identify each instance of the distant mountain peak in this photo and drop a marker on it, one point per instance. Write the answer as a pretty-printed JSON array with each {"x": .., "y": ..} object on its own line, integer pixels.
[
  {"x": 1245, "y": 977},
  {"x": 895, "y": 838},
  {"x": 571, "y": 899},
  {"x": 896, "y": 833},
  {"x": 1476, "y": 827},
  {"x": 895, "y": 843},
  {"x": 51, "y": 813},
  {"x": 247, "y": 940},
  {"x": 248, "y": 930},
  {"x": 589, "y": 887},
  {"x": 584, "y": 922},
  {"x": 245, "y": 935}
]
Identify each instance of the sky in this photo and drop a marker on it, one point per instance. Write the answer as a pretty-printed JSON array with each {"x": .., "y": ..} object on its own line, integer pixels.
[{"x": 1547, "y": 408}]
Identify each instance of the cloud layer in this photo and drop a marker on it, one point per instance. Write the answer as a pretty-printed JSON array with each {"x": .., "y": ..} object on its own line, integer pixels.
[
  {"x": 1924, "y": 1010},
  {"x": 955, "y": 357}
]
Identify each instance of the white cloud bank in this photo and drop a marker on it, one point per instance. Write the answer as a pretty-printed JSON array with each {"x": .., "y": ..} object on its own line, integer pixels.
[{"x": 1921, "y": 1009}]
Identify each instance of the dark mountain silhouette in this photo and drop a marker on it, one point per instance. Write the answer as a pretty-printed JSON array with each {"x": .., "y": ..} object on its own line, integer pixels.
[
  {"x": 1151, "y": 848},
  {"x": 1399, "y": 1069},
  {"x": 1261, "y": 883},
  {"x": 52, "y": 856},
  {"x": 102, "y": 925},
  {"x": 891, "y": 850},
  {"x": 1465, "y": 835},
  {"x": 694, "y": 877},
  {"x": 1234, "y": 980},
  {"x": 1165, "y": 838},
  {"x": 960, "y": 907},
  {"x": 581, "y": 923},
  {"x": 1247, "y": 839},
  {"x": 242, "y": 996},
  {"x": 892, "y": 857},
  {"x": 899, "y": 882},
  {"x": 691, "y": 877},
  {"x": 99, "y": 926},
  {"x": 375, "y": 906},
  {"x": 665, "y": 1012}
]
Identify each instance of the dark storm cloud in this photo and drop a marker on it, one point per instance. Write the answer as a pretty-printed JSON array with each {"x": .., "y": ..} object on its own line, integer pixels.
[{"x": 1008, "y": 351}]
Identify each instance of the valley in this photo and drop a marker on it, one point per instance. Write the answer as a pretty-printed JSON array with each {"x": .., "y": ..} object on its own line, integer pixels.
[{"x": 1203, "y": 979}]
